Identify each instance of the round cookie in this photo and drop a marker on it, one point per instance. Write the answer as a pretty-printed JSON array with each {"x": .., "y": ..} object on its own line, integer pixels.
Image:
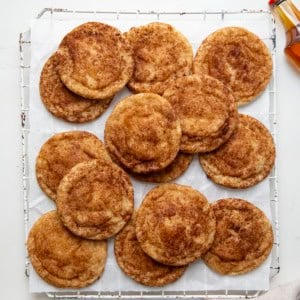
[
  {"x": 246, "y": 159},
  {"x": 239, "y": 59},
  {"x": 64, "y": 104},
  {"x": 61, "y": 258},
  {"x": 206, "y": 110},
  {"x": 95, "y": 60},
  {"x": 175, "y": 224},
  {"x": 63, "y": 151},
  {"x": 143, "y": 133},
  {"x": 137, "y": 265},
  {"x": 161, "y": 54},
  {"x": 243, "y": 239},
  {"x": 95, "y": 199}
]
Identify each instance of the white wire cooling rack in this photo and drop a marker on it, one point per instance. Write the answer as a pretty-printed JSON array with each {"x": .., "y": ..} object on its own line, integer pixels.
[{"x": 25, "y": 48}]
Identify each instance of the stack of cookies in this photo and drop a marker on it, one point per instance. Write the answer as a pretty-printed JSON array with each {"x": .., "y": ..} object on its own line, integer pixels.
[
  {"x": 181, "y": 106},
  {"x": 175, "y": 226},
  {"x": 174, "y": 113},
  {"x": 93, "y": 62},
  {"x": 94, "y": 199}
]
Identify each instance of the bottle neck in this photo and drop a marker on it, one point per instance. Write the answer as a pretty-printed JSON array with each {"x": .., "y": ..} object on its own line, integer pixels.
[
  {"x": 295, "y": 10},
  {"x": 284, "y": 12}
]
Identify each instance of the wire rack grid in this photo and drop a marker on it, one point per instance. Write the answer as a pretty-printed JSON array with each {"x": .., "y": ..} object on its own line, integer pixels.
[{"x": 24, "y": 49}]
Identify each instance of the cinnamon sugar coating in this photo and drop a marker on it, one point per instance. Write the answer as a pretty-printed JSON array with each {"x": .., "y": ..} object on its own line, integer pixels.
[
  {"x": 61, "y": 258},
  {"x": 175, "y": 224},
  {"x": 137, "y": 264},
  {"x": 206, "y": 109},
  {"x": 62, "y": 152},
  {"x": 64, "y": 104},
  {"x": 161, "y": 54},
  {"x": 143, "y": 133},
  {"x": 245, "y": 160},
  {"x": 95, "y": 199},
  {"x": 243, "y": 239},
  {"x": 239, "y": 59},
  {"x": 95, "y": 61}
]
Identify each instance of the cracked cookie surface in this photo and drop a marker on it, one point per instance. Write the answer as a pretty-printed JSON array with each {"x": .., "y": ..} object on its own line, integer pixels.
[
  {"x": 161, "y": 54},
  {"x": 243, "y": 239},
  {"x": 239, "y": 59},
  {"x": 245, "y": 159},
  {"x": 206, "y": 110},
  {"x": 143, "y": 133},
  {"x": 95, "y": 60},
  {"x": 61, "y": 258},
  {"x": 175, "y": 224},
  {"x": 95, "y": 199}
]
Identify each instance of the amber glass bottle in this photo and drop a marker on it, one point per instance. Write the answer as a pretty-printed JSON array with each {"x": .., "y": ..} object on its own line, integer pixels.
[{"x": 290, "y": 18}]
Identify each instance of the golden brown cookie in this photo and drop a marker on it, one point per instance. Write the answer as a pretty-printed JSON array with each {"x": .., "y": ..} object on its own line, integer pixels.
[
  {"x": 243, "y": 239},
  {"x": 95, "y": 60},
  {"x": 61, "y": 258},
  {"x": 161, "y": 54},
  {"x": 63, "y": 151},
  {"x": 64, "y": 104},
  {"x": 206, "y": 110},
  {"x": 239, "y": 59},
  {"x": 95, "y": 199},
  {"x": 246, "y": 159},
  {"x": 175, "y": 224},
  {"x": 139, "y": 266},
  {"x": 143, "y": 133}
]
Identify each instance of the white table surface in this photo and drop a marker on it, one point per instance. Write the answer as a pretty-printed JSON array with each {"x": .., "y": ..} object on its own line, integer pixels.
[{"x": 15, "y": 16}]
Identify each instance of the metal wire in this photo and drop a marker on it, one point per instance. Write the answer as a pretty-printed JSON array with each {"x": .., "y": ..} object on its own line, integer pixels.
[{"x": 24, "y": 46}]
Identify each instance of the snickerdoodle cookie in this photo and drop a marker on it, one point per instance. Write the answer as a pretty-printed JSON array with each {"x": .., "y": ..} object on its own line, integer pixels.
[
  {"x": 246, "y": 159},
  {"x": 143, "y": 133},
  {"x": 95, "y": 199},
  {"x": 175, "y": 224},
  {"x": 63, "y": 151},
  {"x": 61, "y": 258},
  {"x": 138, "y": 265},
  {"x": 239, "y": 59},
  {"x": 64, "y": 104},
  {"x": 206, "y": 110},
  {"x": 95, "y": 60},
  {"x": 161, "y": 54},
  {"x": 243, "y": 239}
]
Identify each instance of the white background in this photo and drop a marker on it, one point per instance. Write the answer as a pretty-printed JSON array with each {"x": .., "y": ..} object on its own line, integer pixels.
[{"x": 15, "y": 17}]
